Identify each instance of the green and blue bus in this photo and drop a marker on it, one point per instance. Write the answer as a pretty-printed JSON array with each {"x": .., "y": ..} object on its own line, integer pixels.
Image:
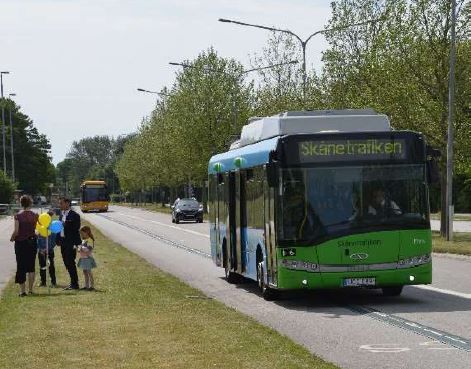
[{"x": 322, "y": 200}]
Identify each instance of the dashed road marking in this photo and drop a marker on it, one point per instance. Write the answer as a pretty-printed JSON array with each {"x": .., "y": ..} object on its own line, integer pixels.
[
  {"x": 384, "y": 348},
  {"x": 432, "y": 333}
]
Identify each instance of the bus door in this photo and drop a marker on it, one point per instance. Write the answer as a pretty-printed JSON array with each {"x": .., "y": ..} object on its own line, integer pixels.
[
  {"x": 270, "y": 243},
  {"x": 232, "y": 236},
  {"x": 241, "y": 221},
  {"x": 217, "y": 202}
]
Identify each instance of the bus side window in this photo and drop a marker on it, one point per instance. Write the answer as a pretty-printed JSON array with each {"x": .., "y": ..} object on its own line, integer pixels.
[{"x": 249, "y": 175}]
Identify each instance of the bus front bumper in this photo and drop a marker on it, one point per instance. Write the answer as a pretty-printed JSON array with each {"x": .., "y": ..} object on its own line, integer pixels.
[
  {"x": 94, "y": 207},
  {"x": 299, "y": 279}
]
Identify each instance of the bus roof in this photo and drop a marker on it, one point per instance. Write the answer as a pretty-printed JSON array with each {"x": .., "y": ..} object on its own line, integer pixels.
[
  {"x": 247, "y": 156},
  {"x": 299, "y": 122},
  {"x": 261, "y": 135}
]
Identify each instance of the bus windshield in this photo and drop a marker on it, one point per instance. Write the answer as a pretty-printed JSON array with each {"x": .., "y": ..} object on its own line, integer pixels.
[
  {"x": 323, "y": 203},
  {"x": 94, "y": 193}
]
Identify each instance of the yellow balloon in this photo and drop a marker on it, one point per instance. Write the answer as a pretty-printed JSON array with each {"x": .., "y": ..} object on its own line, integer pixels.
[
  {"x": 43, "y": 231},
  {"x": 45, "y": 219}
]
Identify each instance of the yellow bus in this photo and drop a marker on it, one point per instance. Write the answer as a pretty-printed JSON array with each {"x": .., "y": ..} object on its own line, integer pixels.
[{"x": 94, "y": 196}]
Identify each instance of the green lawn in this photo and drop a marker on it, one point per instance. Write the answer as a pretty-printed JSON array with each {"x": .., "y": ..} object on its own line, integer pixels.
[
  {"x": 139, "y": 318},
  {"x": 461, "y": 244}
]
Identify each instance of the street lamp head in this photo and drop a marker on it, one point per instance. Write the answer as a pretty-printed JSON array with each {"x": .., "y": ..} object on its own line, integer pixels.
[
  {"x": 293, "y": 62},
  {"x": 5, "y": 72},
  {"x": 223, "y": 20},
  {"x": 141, "y": 90},
  {"x": 13, "y": 94},
  {"x": 181, "y": 65}
]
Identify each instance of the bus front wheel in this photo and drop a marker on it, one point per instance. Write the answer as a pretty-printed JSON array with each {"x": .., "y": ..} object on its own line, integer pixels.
[
  {"x": 268, "y": 293},
  {"x": 392, "y": 291}
]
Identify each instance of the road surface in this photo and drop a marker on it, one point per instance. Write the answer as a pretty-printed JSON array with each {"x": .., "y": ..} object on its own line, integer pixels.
[
  {"x": 7, "y": 252},
  {"x": 427, "y": 327}
]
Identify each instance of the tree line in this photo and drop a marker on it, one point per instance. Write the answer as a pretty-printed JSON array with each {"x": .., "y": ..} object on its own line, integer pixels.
[{"x": 34, "y": 171}]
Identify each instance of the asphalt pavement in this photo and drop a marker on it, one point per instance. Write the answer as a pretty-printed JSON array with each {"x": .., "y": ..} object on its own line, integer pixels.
[
  {"x": 427, "y": 327},
  {"x": 7, "y": 252}
]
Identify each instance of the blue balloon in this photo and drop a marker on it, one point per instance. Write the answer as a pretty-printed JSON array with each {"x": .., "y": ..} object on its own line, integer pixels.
[{"x": 56, "y": 226}]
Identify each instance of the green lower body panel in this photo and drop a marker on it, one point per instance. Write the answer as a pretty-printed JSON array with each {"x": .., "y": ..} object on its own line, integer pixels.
[{"x": 298, "y": 279}]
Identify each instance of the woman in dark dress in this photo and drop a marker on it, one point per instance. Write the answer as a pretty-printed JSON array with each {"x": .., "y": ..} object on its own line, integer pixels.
[{"x": 24, "y": 237}]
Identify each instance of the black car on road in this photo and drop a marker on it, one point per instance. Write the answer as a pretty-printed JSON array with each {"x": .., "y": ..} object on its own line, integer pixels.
[{"x": 187, "y": 209}]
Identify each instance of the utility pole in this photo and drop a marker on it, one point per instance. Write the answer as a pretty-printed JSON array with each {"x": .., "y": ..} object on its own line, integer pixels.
[
  {"x": 11, "y": 142},
  {"x": 449, "y": 149},
  {"x": 3, "y": 123}
]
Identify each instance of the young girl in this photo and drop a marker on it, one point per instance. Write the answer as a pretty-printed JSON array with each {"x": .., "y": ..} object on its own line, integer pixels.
[{"x": 86, "y": 261}]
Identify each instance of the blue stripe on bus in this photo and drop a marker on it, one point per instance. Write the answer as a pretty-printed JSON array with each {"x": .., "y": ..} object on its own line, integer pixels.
[{"x": 250, "y": 156}]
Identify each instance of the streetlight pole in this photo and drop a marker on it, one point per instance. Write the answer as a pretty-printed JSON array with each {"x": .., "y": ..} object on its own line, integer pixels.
[
  {"x": 3, "y": 123},
  {"x": 449, "y": 149},
  {"x": 11, "y": 143},
  {"x": 301, "y": 41}
]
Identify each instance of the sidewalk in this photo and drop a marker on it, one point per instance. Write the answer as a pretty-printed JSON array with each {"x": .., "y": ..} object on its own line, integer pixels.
[
  {"x": 458, "y": 225},
  {"x": 7, "y": 252}
]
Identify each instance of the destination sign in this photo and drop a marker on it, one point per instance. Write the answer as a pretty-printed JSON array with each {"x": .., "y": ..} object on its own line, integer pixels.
[{"x": 351, "y": 149}]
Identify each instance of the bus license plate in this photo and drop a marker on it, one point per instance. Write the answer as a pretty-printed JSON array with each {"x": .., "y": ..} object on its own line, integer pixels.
[{"x": 359, "y": 282}]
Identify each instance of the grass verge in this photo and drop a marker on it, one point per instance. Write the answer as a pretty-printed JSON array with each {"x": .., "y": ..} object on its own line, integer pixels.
[
  {"x": 461, "y": 243},
  {"x": 140, "y": 318}
]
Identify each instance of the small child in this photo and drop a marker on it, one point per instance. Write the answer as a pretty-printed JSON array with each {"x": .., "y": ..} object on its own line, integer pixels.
[
  {"x": 50, "y": 255},
  {"x": 86, "y": 261}
]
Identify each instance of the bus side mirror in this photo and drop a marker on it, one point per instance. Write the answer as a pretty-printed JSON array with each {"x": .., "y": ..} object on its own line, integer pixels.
[
  {"x": 272, "y": 175},
  {"x": 433, "y": 170}
]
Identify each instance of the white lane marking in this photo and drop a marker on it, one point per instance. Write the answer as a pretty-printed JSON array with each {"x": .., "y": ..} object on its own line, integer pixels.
[
  {"x": 384, "y": 348},
  {"x": 436, "y": 345},
  {"x": 447, "y": 292},
  {"x": 166, "y": 225}
]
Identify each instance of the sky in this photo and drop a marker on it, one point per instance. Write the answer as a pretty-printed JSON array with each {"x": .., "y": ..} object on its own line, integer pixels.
[{"x": 75, "y": 65}]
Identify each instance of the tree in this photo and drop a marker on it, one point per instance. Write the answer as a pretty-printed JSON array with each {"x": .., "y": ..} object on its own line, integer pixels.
[
  {"x": 199, "y": 116},
  {"x": 7, "y": 189},
  {"x": 33, "y": 167},
  {"x": 281, "y": 87},
  {"x": 399, "y": 66},
  {"x": 91, "y": 158}
]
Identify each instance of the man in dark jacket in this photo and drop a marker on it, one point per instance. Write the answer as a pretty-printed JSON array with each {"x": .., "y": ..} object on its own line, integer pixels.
[{"x": 69, "y": 239}]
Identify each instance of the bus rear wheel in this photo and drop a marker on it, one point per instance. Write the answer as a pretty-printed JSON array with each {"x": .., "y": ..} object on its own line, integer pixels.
[
  {"x": 392, "y": 291},
  {"x": 231, "y": 277}
]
